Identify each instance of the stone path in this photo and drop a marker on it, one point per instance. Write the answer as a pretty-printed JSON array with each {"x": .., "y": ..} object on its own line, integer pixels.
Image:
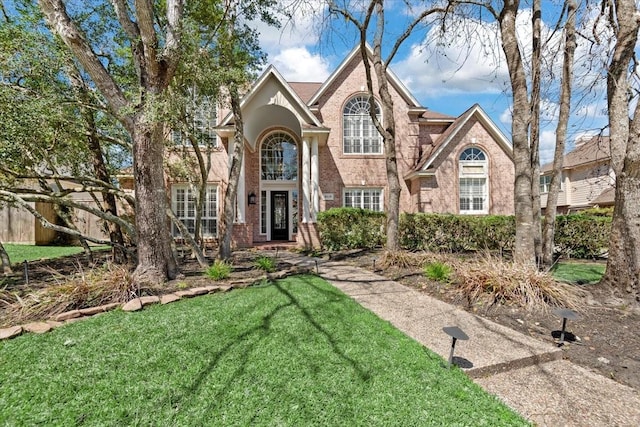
[{"x": 527, "y": 374}]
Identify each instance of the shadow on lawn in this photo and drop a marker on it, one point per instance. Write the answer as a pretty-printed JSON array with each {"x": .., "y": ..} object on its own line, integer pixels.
[{"x": 250, "y": 338}]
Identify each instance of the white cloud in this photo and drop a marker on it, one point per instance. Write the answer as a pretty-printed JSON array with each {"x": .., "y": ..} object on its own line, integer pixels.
[
  {"x": 454, "y": 66},
  {"x": 547, "y": 146},
  {"x": 297, "y": 64}
]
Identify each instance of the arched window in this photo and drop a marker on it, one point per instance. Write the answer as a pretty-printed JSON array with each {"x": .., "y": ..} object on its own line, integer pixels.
[
  {"x": 473, "y": 181},
  {"x": 360, "y": 136},
  {"x": 279, "y": 156}
]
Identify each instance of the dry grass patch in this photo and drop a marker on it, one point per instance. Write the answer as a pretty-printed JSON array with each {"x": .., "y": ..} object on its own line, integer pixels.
[
  {"x": 408, "y": 260},
  {"x": 101, "y": 285},
  {"x": 494, "y": 280}
]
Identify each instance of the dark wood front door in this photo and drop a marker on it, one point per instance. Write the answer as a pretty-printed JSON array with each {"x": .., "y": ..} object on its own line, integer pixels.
[{"x": 279, "y": 215}]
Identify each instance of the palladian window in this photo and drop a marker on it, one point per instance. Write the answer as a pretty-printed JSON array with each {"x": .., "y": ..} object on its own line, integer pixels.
[
  {"x": 279, "y": 157},
  {"x": 473, "y": 181},
  {"x": 360, "y": 136}
]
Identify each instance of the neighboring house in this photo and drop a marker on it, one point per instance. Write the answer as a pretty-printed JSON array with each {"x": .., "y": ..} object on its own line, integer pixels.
[
  {"x": 312, "y": 146},
  {"x": 587, "y": 177}
]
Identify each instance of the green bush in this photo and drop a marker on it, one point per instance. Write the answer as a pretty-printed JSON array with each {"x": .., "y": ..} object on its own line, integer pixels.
[
  {"x": 351, "y": 228},
  {"x": 219, "y": 270},
  {"x": 265, "y": 263},
  {"x": 456, "y": 233},
  {"x": 582, "y": 235}
]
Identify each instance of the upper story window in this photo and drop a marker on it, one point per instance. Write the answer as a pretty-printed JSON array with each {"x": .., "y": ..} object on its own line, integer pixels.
[
  {"x": 545, "y": 184},
  {"x": 201, "y": 119},
  {"x": 473, "y": 181},
  {"x": 360, "y": 136},
  {"x": 279, "y": 158}
]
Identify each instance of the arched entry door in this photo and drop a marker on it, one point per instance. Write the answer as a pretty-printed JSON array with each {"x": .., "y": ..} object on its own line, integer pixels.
[{"x": 279, "y": 185}]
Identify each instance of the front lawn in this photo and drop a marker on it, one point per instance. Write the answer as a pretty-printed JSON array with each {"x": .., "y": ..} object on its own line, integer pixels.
[
  {"x": 297, "y": 352},
  {"x": 581, "y": 273},
  {"x": 20, "y": 253}
]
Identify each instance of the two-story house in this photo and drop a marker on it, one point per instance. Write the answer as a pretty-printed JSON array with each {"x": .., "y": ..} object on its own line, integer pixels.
[
  {"x": 312, "y": 146},
  {"x": 587, "y": 177}
]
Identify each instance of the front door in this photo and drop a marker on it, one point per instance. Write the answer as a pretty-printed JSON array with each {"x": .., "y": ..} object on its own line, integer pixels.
[{"x": 279, "y": 215}]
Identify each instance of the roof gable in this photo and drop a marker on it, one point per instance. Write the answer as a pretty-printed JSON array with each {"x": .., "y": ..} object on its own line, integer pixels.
[
  {"x": 355, "y": 55},
  {"x": 450, "y": 133},
  {"x": 271, "y": 88}
]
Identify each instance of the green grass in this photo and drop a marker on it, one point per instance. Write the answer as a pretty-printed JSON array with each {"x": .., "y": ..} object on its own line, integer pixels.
[
  {"x": 294, "y": 353},
  {"x": 578, "y": 272},
  {"x": 20, "y": 253}
]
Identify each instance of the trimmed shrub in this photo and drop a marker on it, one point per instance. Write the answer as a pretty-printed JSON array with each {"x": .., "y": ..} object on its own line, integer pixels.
[
  {"x": 582, "y": 235},
  {"x": 351, "y": 228},
  {"x": 456, "y": 233}
]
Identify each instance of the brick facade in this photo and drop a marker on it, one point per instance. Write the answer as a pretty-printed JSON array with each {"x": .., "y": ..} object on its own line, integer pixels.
[{"x": 428, "y": 147}]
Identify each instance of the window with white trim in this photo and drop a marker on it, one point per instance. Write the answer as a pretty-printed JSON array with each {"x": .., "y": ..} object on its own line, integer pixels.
[
  {"x": 359, "y": 134},
  {"x": 202, "y": 117},
  {"x": 545, "y": 184},
  {"x": 365, "y": 198},
  {"x": 279, "y": 158},
  {"x": 183, "y": 203},
  {"x": 473, "y": 181}
]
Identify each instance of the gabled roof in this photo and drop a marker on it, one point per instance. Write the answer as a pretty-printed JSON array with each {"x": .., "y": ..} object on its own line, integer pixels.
[
  {"x": 393, "y": 79},
  {"x": 596, "y": 149},
  {"x": 272, "y": 73},
  {"x": 427, "y": 159},
  {"x": 305, "y": 90}
]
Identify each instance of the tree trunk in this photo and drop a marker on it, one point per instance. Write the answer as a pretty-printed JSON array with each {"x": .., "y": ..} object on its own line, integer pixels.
[
  {"x": 623, "y": 266},
  {"x": 235, "y": 166},
  {"x": 548, "y": 231},
  {"x": 155, "y": 52},
  {"x": 156, "y": 262},
  {"x": 388, "y": 128},
  {"x": 536, "y": 81},
  {"x": 4, "y": 260},
  {"x": 184, "y": 231},
  {"x": 118, "y": 251},
  {"x": 524, "y": 250}
]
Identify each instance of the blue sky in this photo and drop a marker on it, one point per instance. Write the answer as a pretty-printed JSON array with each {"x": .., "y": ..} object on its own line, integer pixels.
[{"x": 451, "y": 79}]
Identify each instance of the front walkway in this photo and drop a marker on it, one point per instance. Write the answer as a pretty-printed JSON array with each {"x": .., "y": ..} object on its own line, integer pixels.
[{"x": 527, "y": 374}]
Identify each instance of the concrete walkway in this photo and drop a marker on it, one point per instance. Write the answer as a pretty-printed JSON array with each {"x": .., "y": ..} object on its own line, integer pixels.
[{"x": 527, "y": 374}]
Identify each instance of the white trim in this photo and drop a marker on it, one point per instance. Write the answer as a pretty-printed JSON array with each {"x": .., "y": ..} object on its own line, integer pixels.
[
  {"x": 359, "y": 188},
  {"x": 475, "y": 110},
  {"x": 395, "y": 81},
  {"x": 191, "y": 189},
  {"x": 271, "y": 72}
]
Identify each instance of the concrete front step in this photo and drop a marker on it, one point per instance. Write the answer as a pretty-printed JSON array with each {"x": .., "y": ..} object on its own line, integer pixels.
[{"x": 491, "y": 347}]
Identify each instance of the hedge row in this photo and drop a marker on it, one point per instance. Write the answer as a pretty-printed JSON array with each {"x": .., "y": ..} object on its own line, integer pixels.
[
  {"x": 351, "y": 228},
  {"x": 576, "y": 236}
]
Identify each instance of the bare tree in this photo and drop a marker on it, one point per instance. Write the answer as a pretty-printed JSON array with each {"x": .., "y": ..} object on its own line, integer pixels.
[
  {"x": 549, "y": 225},
  {"x": 372, "y": 58},
  {"x": 623, "y": 265}
]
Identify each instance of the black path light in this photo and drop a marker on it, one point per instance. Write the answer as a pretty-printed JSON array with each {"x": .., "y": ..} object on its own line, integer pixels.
[
  {"x": 456, "y": 334},
  {"x": 566, "y": 314}
]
